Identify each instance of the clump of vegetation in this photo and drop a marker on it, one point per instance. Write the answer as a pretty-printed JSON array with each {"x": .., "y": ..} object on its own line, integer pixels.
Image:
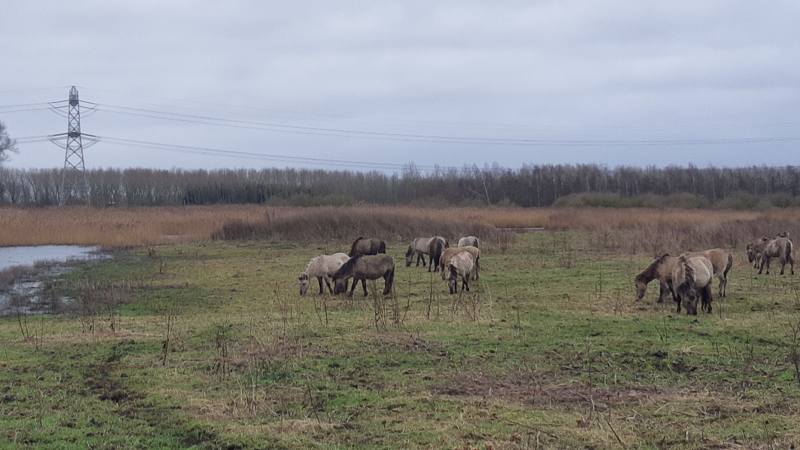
[{"x": 344, "y": 224}]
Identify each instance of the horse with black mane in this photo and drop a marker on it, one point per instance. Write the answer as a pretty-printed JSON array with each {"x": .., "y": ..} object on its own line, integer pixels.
[
  {"x": 367, "y": 246},
  {"x": 362, "y": 268},
  {"x": 436, "y": 247}
]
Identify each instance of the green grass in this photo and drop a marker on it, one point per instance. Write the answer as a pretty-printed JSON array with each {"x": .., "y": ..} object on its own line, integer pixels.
[{"x": 549, "y": 350}]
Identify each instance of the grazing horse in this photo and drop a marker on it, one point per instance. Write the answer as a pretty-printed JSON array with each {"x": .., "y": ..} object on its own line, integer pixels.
[
  {"x": 419, "y": 247},
  {"x": 460, "y": 265},
  {"x": 436, "y": 247},
  {"x": 472, "y": 241},
  {"x": 722, "y": 260},
  {"x": 362, "y": 268},
  {"x": 322, "y": 267},
  {"x": 367, "y": 246},
  {"x": 660, "y": 269},
  {"x": 691, "y": 278},
  {"x": 781, "y": 248},
  {"x": 452, "y": 251}
]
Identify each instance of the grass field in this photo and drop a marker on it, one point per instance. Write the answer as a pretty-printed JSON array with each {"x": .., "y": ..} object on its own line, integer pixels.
[{"x": 208, "y": 345}]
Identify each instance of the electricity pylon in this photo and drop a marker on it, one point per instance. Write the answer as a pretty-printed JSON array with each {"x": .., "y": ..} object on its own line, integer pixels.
[{"x": 74, "y": 165}]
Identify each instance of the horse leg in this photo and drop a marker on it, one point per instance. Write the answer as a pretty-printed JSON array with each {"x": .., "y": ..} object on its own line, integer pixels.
[
  {"x": 353, "y": 287},
  {"x": 662, "y": 290},
  {"x": 319, "y": 280},
  {"x": 791, "y": 264},
  {"x": 388, "y": 281},
  {"x": 328, "y": 283},
  {"x": 706, "y": 295},
  {"x": 763, "y": 263},
  {"x": 364, "y": 286},
  {"x": 783, "y": 265}
]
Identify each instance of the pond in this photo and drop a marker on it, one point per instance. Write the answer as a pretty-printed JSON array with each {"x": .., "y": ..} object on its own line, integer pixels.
[
  {"x": 30, "y": 255},
  {"x": 22, "y": 282}
]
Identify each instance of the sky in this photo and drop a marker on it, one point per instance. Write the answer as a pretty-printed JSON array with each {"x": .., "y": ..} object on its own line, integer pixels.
[{"x": 380, "y": 84}]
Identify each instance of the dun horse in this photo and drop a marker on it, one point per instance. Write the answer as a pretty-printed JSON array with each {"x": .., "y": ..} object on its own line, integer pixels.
[
  {"x": 322, "y": 267},
  {"x": 660, "y": 269},
  {"x": 755, "y": 249},
  {"x": 472, "y": 241},
  {"x": 460, "y": 266},
  {"x": 452, "y": 251},
  {"x": 691, "y": 278},
  {"x": 419, "y": 247},
  {"x": 362, "y": 268},
  {"x": 781, "y": 248},
  {"x": 722, "y": 261},
  {"x": 367, "y": 246}
]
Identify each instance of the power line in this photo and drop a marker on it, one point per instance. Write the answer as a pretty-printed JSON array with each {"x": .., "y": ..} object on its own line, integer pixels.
[
  {"x": 260, "y": 156},
  {"x": 429, "y": 138}
]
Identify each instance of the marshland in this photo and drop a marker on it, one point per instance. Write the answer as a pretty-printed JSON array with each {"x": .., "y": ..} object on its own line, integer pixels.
[{"x": 194, "y": 334}]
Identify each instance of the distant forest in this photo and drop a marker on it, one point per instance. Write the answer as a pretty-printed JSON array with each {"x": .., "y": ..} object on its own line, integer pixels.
[{"x": 529, "y": 186}]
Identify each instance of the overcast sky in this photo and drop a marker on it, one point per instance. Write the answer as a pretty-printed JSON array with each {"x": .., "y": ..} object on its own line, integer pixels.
[{"x": 623, "y": 76}]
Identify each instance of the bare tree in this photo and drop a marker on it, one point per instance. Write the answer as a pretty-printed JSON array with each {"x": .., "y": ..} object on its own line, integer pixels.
[{"x": 6, "y": 143}]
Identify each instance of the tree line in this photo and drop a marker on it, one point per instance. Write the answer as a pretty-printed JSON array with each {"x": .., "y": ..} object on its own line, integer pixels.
[{"x": 529, "y": 186}]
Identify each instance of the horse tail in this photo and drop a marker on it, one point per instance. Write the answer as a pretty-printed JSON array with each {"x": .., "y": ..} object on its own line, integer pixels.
[
  {"x": 382, "y": 247},
  {"x": 728, "y": 266},
  {"x": 688, "y": 271},
  {"x": 788, "y": 250},
  {"x": 353, "y": 247}
]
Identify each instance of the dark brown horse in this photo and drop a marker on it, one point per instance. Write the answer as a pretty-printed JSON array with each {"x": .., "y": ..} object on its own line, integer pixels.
[
  {"x": 367, "y": 246},
  {"x": 362, "y": 268},
  {"x": 435, "y": 249}
]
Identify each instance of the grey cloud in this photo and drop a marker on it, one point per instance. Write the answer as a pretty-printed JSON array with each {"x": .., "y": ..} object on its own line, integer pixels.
[{"x": 552, "y": 69}]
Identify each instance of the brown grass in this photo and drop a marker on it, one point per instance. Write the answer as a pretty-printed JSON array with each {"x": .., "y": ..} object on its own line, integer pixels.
[
  {"x": 631, "y": 230},
  {"x": 116, "y": 227},
  {"x": 344, "y": 224}
]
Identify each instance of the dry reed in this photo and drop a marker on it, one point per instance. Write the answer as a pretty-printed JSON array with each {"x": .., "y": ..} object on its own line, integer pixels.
[{"x": 634, "y": 230}]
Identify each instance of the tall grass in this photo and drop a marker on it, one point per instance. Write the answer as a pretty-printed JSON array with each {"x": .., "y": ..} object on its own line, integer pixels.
[
  {"x": 658, "y": 231},
  {"x": 629, "y": 230},
  {"x": 116, "y": 227},
  {"x": 344, "y": 224}
]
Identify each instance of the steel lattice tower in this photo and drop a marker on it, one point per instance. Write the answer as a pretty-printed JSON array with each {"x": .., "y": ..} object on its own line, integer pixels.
[
  {"x": 73, "y": 155},
  {"x": 74, "y": 166}
]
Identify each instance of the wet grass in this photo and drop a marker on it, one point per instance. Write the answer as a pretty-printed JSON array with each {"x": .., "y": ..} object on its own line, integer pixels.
[{"x": 549, "y": 350}]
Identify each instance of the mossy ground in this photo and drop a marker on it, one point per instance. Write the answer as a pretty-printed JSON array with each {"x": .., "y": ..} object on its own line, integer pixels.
[{"x": 548, "y": 351}]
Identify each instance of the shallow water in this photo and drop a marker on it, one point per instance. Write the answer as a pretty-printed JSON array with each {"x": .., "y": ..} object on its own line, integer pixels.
[
  {"x": 30, "y": 255},
  {"x": 23, "y": 294}
]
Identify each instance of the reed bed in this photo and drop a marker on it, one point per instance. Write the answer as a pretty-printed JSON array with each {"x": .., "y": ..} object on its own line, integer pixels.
[
  {"x": 630, "y": 230},
  {"x": 116, "y": 227}
]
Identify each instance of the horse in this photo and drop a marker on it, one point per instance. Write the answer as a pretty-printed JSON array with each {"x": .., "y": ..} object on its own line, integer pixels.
[
  {"x": 367, "y": 246},
  {"x": 755, "y": 249},
  {"x": 660, "y": 269},
  {"x": 362, "y": 268},
  {"x": 781, "y": 248},
  {"x": 452, "y": 251},
  {"x": 722, "y": 260},
  {"x": 436, "y": 247},
  {"x": 460, "y": 265},
  {"x": 691, "y": 277},
  {"x": 419, "y": 247},
  {"x": 472, "y": 241},
  {"x": 321, "y": 267}
]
